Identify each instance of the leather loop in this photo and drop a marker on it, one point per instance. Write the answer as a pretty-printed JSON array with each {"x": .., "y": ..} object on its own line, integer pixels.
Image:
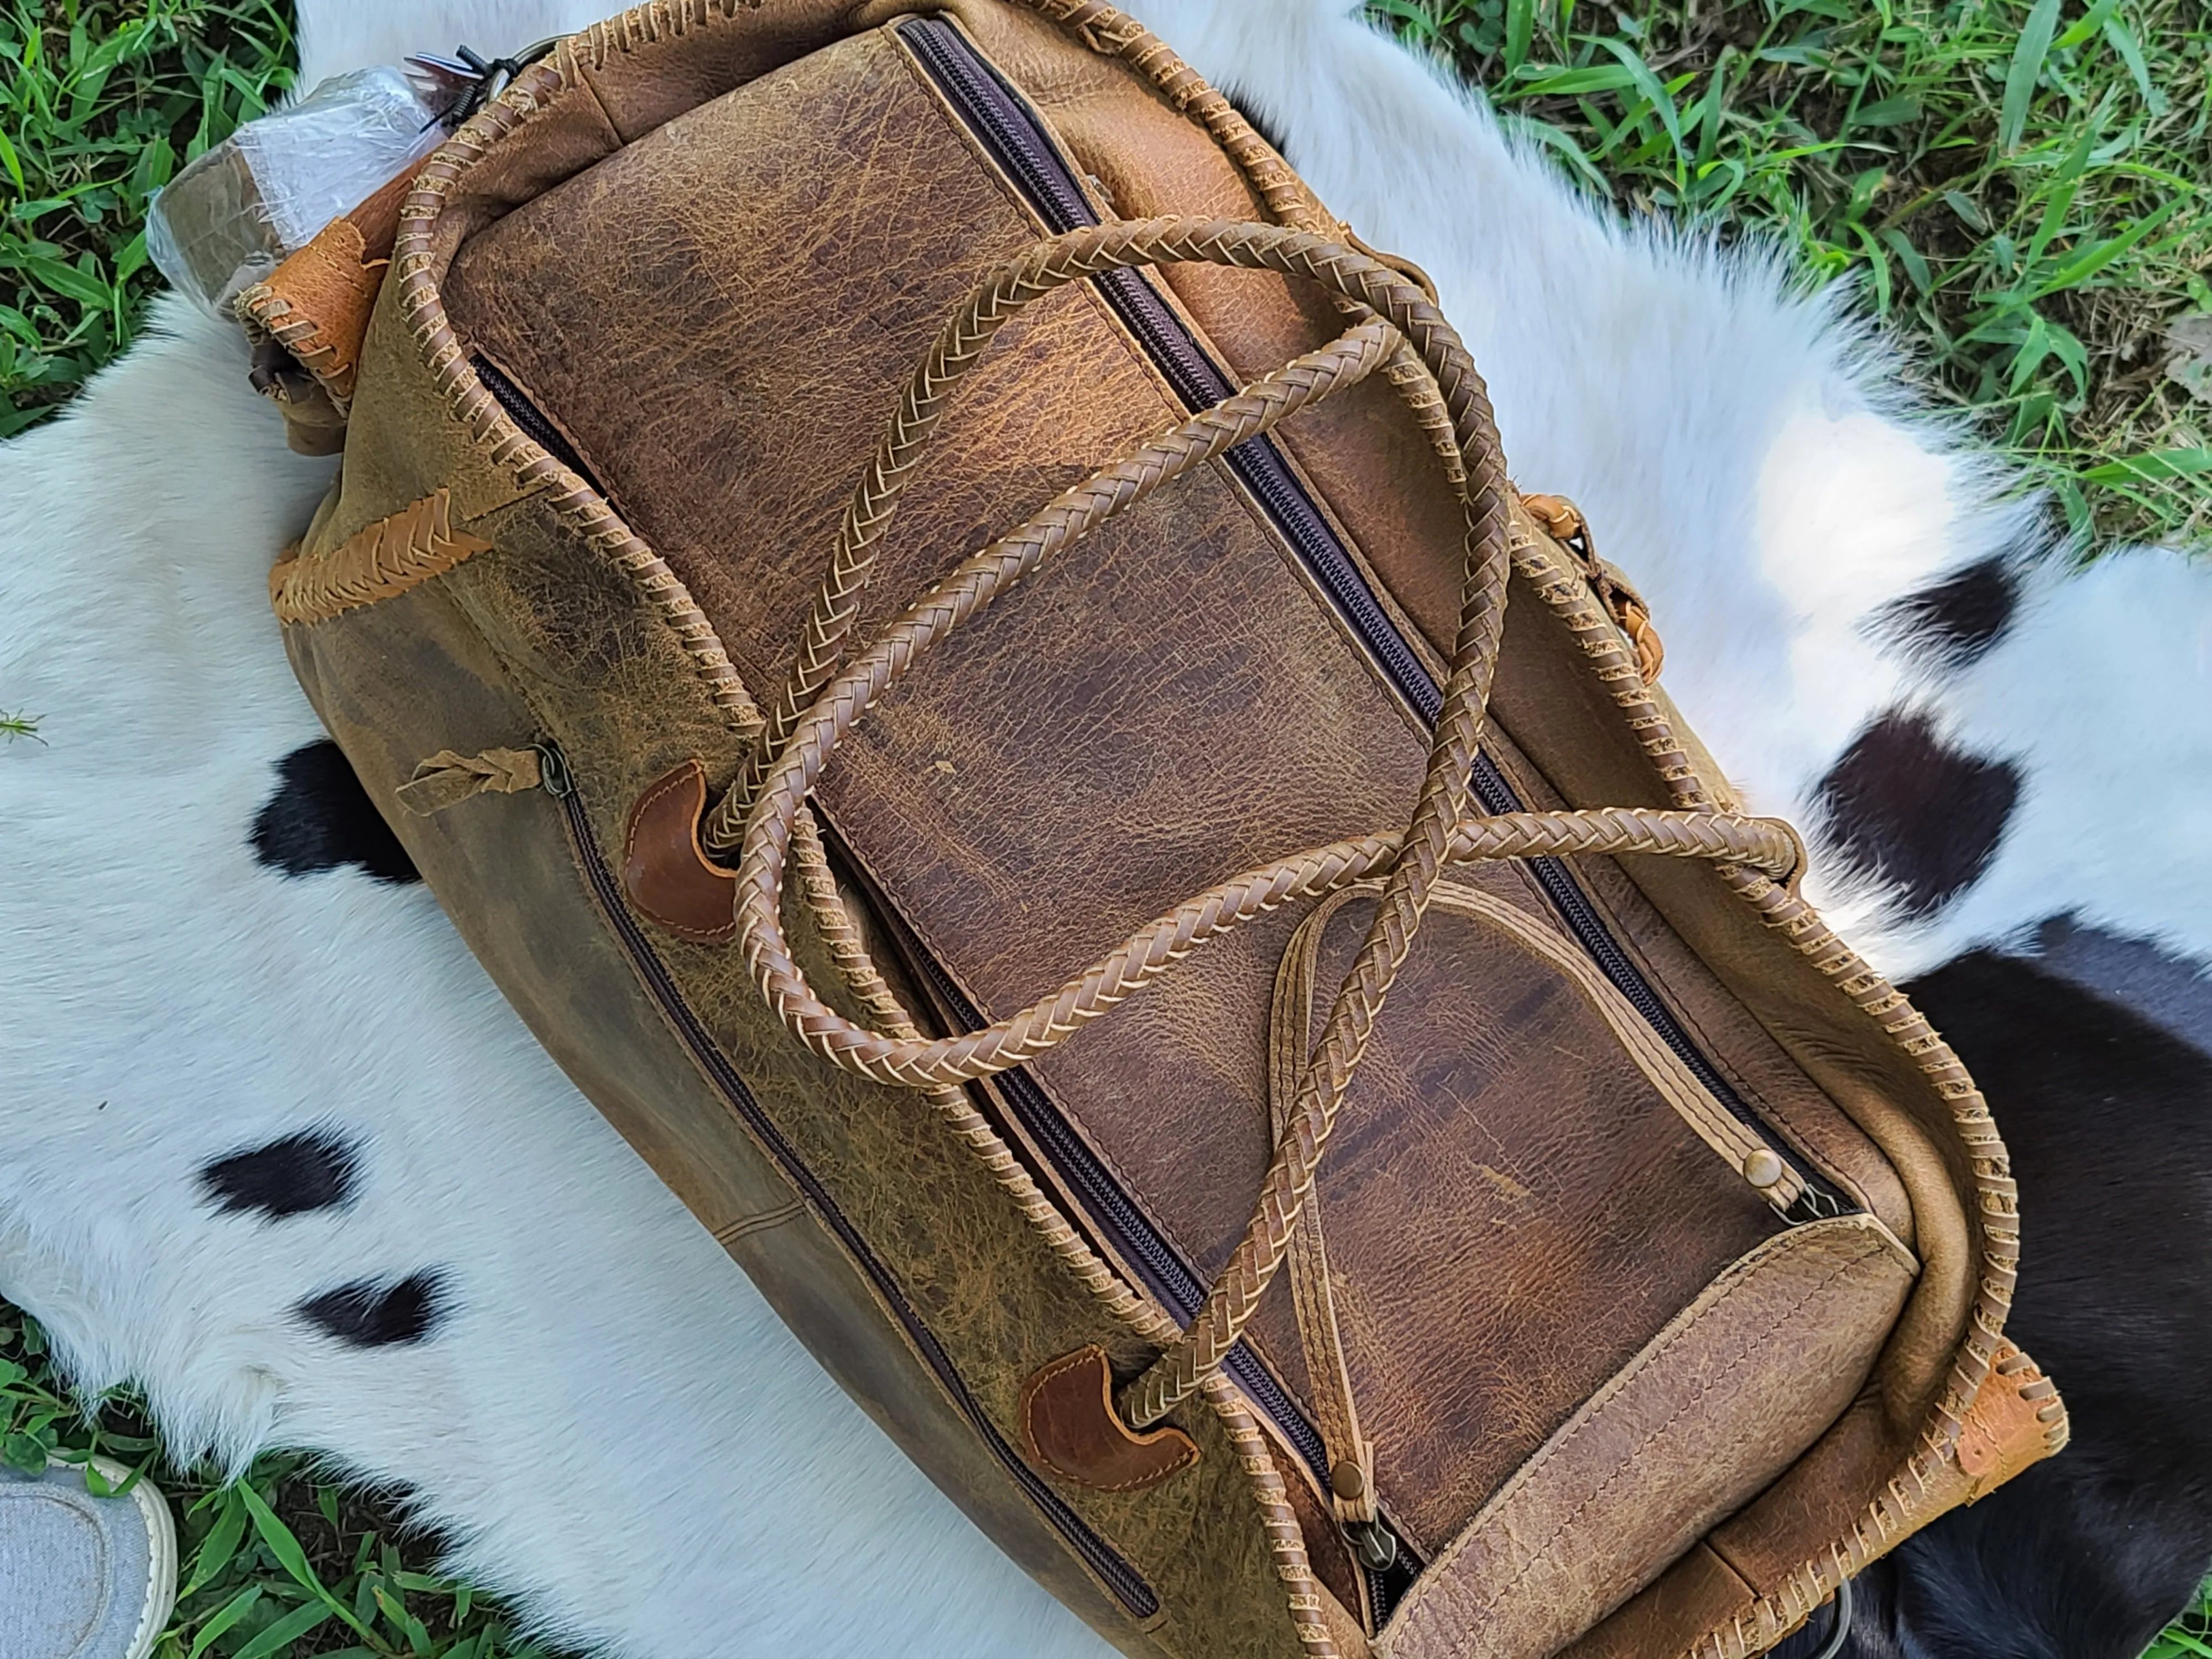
[
  {"x": 1069, "y": 1424},
  {"x": 666, "y": 874},
  {"x": 449, "y": 777}
]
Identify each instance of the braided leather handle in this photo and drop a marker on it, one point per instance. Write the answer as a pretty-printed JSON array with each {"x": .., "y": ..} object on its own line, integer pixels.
[{"x": 822, "y": 702}]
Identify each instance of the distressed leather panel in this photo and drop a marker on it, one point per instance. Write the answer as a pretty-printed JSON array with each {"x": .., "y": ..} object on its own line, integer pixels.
[
  {"x": 1365, "y": 460},
  {"x": 723, "y": 317},
  {"x": 1698, "y": 1592},
  {"x": 1170, "y": 703},
  {"x": 1513, "y": 1211},
  {"x": 1716, "y": 1407}
]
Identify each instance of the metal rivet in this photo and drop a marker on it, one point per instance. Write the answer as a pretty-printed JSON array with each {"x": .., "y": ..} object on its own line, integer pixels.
[
  {"x": 1762, "y": 1169},
  {"x": 1349, "y": 1480}
]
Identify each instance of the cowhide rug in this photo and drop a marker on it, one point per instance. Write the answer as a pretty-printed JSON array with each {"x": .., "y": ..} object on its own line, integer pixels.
[{"x": 271, "y": 1146}]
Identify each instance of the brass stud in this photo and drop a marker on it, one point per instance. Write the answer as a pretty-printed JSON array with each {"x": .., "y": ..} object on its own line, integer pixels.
[
  {"x": 1349, "y": 1480},
  {"x": 1762, "y": 1168}
]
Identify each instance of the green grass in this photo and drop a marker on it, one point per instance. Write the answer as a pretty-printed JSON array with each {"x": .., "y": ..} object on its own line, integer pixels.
[
  {"x": 2190, "y": 1636},
  {"x": 2014, "y": 184},
  {"x": 100, "y": 104},
  {"x": 278, "y": 1563},
  {"x": 2008, "y": 179}
]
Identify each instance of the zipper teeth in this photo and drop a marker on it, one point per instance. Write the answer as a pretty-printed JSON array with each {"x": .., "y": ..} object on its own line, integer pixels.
[
  {"x": 1166, "y": 1274},
  {"x": 1127, "y": 1585},
  {"x": 1021, "y": 149},
  {"x": 531, "y": 419}
]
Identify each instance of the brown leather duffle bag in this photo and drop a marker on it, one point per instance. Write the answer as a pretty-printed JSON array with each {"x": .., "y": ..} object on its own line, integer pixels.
[{"x": 965, "y": 655}]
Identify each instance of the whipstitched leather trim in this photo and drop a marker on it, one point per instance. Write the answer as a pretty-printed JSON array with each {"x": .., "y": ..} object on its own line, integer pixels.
[
  {"x": 386, "y": 559},
  {"x": 584, "y": 512},
  {"x": 266, "y": 315},
  {"x": 587, "y": 514}
]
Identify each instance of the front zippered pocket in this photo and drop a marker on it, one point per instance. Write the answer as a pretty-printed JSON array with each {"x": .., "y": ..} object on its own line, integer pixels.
[{"x": 1127, "y": 1584}]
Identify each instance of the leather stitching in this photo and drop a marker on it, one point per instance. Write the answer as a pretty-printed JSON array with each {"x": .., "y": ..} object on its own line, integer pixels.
[
  {"x": 1185, "y": 1456},
  {"x": 679, "y": 779}
]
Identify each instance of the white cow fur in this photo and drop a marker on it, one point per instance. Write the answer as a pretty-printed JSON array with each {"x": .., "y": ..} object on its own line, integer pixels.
[{"x": 611, "y": 1426}]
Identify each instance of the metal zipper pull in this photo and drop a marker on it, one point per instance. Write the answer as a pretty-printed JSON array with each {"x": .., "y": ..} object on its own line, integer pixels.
[{"x": 470, "y": 80}]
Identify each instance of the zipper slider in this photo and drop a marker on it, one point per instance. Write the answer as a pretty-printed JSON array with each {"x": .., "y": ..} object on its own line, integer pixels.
[{"x": 553, "y": 769}]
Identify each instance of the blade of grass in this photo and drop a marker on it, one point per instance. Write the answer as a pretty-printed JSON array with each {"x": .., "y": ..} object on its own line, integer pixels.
[{"x": 2020, "y": 76}]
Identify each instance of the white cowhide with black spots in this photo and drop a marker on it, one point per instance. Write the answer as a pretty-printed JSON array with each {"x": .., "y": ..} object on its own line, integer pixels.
[{"x": 272, "y": 1147}]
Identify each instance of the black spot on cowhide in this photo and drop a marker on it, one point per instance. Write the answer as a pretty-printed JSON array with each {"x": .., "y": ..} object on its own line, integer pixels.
[
  {"x": 2108, "y": 1119},
  {"x": 1902, "y": 806},
  {"x": 1958, "y": 619},
  {"x": 312, "y": 1171},
  {"x": 369, "y": 1315},
  {"x": 321, "y": 818},
  {"x": 2166, "y": 988}
]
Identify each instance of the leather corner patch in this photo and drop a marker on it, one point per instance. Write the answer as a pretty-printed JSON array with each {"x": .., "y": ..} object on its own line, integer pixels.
[
  {"x": 333, "y": 283},
  {"x": 666, "y": 873},
  {"x": 1070, "y": 1425},
  {"x": 2012, "y": 1424}
]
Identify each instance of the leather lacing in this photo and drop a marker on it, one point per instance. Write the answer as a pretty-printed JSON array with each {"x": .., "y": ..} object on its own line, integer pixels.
[
  {"x": 765, "y": 812},
  {"x": 1894, "y": 1509}
]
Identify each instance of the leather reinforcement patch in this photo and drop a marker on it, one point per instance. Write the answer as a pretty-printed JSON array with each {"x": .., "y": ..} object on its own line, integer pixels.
[
  {"x": 1070, "y": 1425},
  {"x": 666, "y": 873},
  {"x": 2016, "y": 1421}
]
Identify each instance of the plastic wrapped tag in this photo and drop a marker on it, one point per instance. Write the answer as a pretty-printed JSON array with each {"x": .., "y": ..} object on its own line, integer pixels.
[
  {"x": 235, "y": 212},
  {"x": 230, "y": 217}
]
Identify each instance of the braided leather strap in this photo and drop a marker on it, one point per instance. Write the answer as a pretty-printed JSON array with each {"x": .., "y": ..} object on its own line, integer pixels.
[{"x": 760, "y": 815}]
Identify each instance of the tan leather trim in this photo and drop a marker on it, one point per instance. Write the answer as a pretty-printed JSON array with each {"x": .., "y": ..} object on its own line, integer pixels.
[
  {"x": 1695, "y": 1409},
  {"x": 387, "y": 558},
  {"x": 1070, "y": 1425},
  {"x": 665, "y": 873},
  {"x": 317, "y": 304},
  {"x": 2016, "y": 1421}
]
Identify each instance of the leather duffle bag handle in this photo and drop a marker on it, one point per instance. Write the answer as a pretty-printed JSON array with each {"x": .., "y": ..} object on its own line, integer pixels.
[{"x": 1398, "y": 328}]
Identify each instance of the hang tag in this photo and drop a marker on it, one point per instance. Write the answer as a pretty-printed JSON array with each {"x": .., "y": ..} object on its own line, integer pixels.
[{"x": 231, "y": 217}]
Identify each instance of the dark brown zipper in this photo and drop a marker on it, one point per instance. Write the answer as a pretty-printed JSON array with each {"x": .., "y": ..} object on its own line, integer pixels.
[
  {"x": 1130, "y": 1235},
  {"x": 1016, "y": 138},
  {"x": 1123, "y": 1580}
]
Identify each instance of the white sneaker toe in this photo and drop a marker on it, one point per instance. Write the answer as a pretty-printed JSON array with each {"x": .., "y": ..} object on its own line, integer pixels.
[{"x": 83, "y": 1577}]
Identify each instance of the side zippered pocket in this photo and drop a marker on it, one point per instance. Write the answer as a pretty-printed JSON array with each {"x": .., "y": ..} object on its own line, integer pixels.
[{"x": 1127, "y": 1584}]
